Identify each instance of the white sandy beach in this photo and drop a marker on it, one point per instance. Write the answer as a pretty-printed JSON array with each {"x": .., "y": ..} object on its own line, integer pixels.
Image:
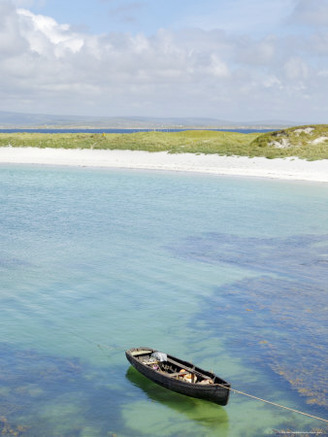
[{"x": 289, "y": 168}]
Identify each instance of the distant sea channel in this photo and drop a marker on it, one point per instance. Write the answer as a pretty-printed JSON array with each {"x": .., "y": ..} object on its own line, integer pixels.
[{"x": 123, "y": 131}]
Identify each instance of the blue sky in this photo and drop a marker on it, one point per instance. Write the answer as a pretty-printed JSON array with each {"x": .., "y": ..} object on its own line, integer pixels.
[
  {"x": 239, "y": 60},
  {"x": 148, "y": 16}
]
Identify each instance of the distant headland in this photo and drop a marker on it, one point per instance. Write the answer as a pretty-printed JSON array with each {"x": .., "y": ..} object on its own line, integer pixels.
[{"x": 28, "y": 121}]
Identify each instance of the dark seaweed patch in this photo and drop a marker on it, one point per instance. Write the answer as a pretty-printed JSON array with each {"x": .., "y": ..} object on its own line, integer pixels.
[
  {"x": 12, "y": 263},
  {"x": 288, "y": 256},
  {"x": 32, "y": 384},
  {"x": 283, "y": 324},
  {"x": 280, "y": 315}
]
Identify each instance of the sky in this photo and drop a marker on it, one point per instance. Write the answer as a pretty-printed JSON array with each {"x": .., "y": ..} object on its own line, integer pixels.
[{"x": 236, "y": 60}]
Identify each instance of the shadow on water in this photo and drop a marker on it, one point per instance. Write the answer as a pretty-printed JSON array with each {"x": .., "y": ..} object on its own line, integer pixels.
[
  {"x": 278, "y": 311},
  {"x": 43, "y": 395},
  {"x": 206, "y": 414}
]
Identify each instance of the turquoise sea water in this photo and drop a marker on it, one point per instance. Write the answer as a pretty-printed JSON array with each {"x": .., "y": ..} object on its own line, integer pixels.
[{"x": 230, "y": 273}]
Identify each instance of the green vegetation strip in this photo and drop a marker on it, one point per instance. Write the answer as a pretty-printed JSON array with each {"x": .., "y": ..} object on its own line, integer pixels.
[{"x": 306, "y": 142}]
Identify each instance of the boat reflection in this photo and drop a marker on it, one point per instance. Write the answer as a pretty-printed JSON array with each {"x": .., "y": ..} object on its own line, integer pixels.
[{"x": 207, "y": 414}]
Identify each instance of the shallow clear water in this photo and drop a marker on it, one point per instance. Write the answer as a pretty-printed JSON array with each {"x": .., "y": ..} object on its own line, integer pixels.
[{"x": 229, "y": 273}]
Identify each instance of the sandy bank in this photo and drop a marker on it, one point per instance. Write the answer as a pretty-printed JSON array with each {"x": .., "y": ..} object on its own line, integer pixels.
[{"x": 293, "y": 169}]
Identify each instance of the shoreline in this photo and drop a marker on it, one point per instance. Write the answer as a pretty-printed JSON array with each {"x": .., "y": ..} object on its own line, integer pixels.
[{"x": 285, "y": 169}]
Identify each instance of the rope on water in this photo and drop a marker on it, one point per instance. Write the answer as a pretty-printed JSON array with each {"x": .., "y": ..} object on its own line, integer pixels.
[
  {"x": 112, "y": 348},
  {"x": 101, "y": 347},
  {"x": 275, "y": 404}
]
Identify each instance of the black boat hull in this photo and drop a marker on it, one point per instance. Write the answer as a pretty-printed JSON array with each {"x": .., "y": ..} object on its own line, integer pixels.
[{"x": 218, "y": 392}]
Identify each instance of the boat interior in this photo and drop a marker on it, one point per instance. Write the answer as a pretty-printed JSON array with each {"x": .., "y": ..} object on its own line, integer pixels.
[{"x": 172, "y": 368}]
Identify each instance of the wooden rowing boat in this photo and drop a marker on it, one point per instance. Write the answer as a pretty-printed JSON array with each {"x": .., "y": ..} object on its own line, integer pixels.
[{"x": 178, "y": 375}]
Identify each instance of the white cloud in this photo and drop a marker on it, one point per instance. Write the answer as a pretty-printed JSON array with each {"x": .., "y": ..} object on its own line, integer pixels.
[
  {"x": 319, "y": 43},
  {"x": 311, "y": 12},
  {"x": 258, "y": 52},
  {"x": 217, "y": 67},
  {"x": 11, "y": 40},
  {"x": 272, "y": 82},
  {"x": 323, "y": 73},
  {"x": 296, "y": 69},
  {"x": 44, "y": 34},
  {"x": 46, "y": 66}
]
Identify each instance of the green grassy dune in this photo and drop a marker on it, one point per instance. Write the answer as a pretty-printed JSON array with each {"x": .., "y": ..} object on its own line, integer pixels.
[{"x": 307, "y": 142}]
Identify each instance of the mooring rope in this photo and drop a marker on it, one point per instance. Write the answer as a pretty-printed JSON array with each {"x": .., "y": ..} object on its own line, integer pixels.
[
  {"x": 274, "y": 404},
  {"x": 111, "y": 348}
]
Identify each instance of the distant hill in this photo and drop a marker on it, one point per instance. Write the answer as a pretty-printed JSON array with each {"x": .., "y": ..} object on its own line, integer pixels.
[{"x": 22, "y": 120}]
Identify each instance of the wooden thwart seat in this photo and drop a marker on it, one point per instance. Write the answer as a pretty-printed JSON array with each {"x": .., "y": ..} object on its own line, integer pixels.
[{"x": 178, "y": 374}]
